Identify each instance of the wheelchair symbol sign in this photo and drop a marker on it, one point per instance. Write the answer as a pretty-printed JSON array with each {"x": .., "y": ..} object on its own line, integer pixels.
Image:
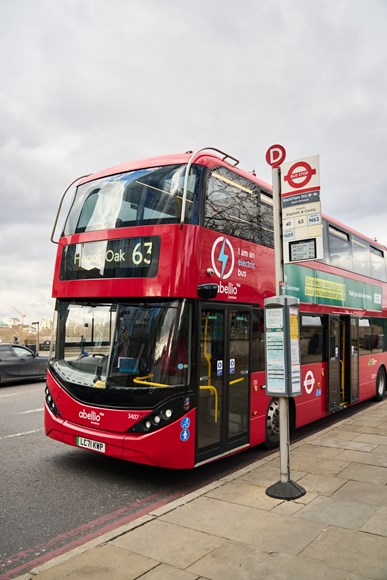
[
  {"x": 219, "y": 368},
  {"x": 185, "y": 423}
]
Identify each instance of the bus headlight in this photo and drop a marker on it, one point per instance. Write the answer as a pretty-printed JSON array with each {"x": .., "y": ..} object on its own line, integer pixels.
[
  {"x": 163, "y": 415},
  {"x": 50, "y": 402}
]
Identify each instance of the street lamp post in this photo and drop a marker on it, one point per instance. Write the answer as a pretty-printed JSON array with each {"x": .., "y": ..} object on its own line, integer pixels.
[{"x": 37, "y": 342}]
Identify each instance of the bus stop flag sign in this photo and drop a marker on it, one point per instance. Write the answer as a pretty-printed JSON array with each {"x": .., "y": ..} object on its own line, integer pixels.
[
  {"x": 301, "y": 210},
  {"x": 275, "y": 155}
]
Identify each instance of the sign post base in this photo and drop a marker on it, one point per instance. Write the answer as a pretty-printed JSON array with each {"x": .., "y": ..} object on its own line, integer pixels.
[{"x": 285, "y": 490}]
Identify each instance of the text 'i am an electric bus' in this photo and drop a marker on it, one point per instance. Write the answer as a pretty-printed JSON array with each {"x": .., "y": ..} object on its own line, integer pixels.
[{"x": 161, "y": 274}]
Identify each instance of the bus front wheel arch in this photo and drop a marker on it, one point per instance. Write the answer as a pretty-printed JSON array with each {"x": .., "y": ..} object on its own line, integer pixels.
[{"x": 381, "y": 383}]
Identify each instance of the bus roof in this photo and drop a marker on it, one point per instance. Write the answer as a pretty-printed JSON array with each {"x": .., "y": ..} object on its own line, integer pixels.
[
  {"x": 205, "y": 158},
  {"x": 349, "y": 230},
  {"x": 211, "y": 160}
]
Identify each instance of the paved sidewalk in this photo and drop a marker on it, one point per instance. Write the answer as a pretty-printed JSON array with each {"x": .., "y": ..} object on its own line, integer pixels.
[{"x": 232, "y": 530}]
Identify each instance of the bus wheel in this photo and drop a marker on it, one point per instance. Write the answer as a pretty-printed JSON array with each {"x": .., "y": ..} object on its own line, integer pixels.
[
  {"x": 272, "y": 425},
  {"x": 380, "y": 384}
]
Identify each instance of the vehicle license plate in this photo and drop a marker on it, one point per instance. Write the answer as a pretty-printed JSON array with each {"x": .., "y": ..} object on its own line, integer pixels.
[{"x": 90, "y": 444}]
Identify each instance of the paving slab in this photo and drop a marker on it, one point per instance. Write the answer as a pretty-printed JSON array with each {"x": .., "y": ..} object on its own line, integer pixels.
[
  {"x": 336, "y": 434},
  {"x": 237, "y": 561},
  {"x": 377, "y": 524},
  {"x": 372, "y": 458},
  {"x": 245, "y": 493},
  {"x": 363, "y": 491},
  {"x": 365, "y": 472},
  {"x": 382, "y": 449},
  {"x": 350, "y": 551},
  {"x": 269, "y": 473},
  {"x": 313, "y": 448},
  {"x": 376, "y": 429},
  {"x": 321, "y": 484},
  {"x": 165, "y": 572},
  {"x": 100, "y": 563},
  {"x": 346, "y": 514},
  {"x": 354, "y": 428},
  {"x": 352, "y": 444},
  {"x": 267, "y": 530},
  {"x": 374, "y": 438},
  {"x": 318, "y": 465},
  {"x": 176, "y": 545}
]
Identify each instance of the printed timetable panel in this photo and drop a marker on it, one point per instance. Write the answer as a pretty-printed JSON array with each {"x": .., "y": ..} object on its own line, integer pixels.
[{"x": 123, "y": 258}]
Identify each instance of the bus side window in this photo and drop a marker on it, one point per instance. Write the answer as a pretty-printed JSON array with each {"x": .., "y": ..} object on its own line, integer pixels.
[
  {"x": 312, "y": 338},
  {"x": 257, "y": 342},
  {"x": 378, "y": 333},
  {"x": 365, "y": 340},
  {"x": 378, "y": 266},
  {"x": 232, "y": 205},
  {"x": 339, "y": 248}
]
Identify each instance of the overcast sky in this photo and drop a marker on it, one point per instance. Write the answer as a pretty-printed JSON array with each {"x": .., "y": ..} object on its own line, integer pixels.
[{"x": 86, "y": 84}]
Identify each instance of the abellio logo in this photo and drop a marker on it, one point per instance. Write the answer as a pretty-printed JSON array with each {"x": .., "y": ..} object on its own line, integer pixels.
[
  {"x": 91, "y": 416},
  {"x": 222, "y": 258}
]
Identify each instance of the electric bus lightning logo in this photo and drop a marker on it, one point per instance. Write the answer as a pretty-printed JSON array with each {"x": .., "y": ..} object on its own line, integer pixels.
[
  {"x": 222, "y": 257},
  {"x": 225, "y": 256}
]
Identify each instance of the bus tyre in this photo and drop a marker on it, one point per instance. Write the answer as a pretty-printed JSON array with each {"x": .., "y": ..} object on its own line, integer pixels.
[
  {"x": 380, "y": 384},
  {"x": 272, "y": 425}
]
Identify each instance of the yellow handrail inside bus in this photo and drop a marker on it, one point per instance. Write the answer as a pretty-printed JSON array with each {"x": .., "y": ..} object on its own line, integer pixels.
[
  {"x": 142, "y": 381},
  {"x": 208, "y": 387},
  {"x": 214, "y": 391},
  {"x": 237, "y": 381}
]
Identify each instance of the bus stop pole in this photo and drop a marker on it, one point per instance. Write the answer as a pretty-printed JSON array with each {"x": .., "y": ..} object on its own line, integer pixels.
[
  {"x": 279, "y": 282},
  {"x": 277, "y": 213},
  {"x": 285, "y": 488}
]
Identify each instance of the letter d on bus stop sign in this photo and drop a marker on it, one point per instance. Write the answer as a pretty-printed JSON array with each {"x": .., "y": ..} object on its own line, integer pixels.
[{"x": 275, "y": 155}]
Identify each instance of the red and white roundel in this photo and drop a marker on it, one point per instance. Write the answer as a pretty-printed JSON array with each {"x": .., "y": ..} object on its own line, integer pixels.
[{"x": 299, "y": 174}]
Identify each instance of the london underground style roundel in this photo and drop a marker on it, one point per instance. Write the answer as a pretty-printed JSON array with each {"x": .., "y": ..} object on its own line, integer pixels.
[{"x": 222, "y": 258}]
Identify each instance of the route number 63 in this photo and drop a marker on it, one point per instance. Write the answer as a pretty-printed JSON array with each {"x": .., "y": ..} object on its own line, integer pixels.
[{"x": 142, "y": 252}]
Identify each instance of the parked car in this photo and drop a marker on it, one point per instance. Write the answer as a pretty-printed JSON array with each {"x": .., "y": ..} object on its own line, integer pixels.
[{"x": 18, "y": 362}]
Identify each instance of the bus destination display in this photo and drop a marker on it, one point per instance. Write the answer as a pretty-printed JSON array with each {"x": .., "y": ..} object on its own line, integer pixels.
[{"x": 122, "y": 258}]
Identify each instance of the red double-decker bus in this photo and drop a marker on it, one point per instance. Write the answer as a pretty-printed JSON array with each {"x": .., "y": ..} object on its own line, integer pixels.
[{"x": 160, "y": 279}]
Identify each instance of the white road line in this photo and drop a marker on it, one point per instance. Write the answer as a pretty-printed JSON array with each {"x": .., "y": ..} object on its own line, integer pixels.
[
  {"x": 31, "y": 411},
  {"x": 10, "y": 395},
  {"x": 20, "y": 434}
]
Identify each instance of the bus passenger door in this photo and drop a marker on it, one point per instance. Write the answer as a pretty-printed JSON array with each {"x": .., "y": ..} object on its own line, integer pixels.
[
  {"x": 334, "y": 363},
  {"x": 354, "y": 359},
  {"x": 343, "y": 357},
  {"x": 224, "y": 378},
  {"x": 211, "y": 379}
]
